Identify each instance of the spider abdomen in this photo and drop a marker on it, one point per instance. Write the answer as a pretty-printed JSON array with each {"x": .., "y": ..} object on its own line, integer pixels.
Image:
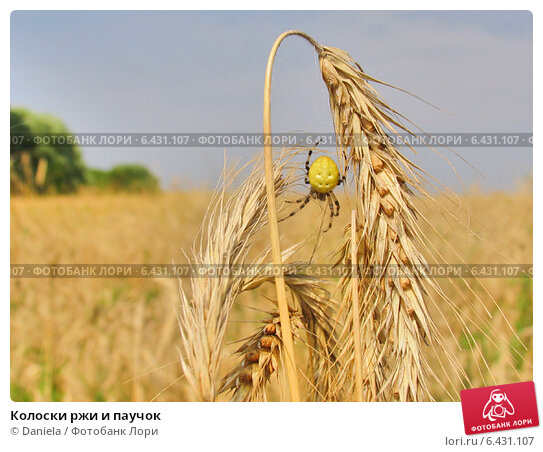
[{"x": 323, "y": 175}]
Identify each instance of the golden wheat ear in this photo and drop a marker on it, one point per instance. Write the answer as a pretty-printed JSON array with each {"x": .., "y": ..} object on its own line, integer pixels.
[
  {"x": 395, "y": 323},
  {"x": 260, "y": 358},
  {"x": 395, "y": 320},
  {"x": 316, "y": 308},
  {"x": 225, "y": 239}
]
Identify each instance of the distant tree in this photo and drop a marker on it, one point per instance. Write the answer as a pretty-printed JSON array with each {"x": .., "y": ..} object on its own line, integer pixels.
[
  {"x": 42, "y": 167},
  {"x": 98, "y": 178},
  {"x": 128, "y": 178}
]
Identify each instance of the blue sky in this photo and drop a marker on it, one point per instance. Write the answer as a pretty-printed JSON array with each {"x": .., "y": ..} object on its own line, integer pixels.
[{"x": 196, "y": 71}]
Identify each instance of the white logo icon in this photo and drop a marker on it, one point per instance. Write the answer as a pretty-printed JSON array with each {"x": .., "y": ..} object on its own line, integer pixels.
[{"x": 498, "y": 406}]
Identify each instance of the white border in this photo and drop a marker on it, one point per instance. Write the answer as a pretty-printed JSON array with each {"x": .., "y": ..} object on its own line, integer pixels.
[{"x": 313, "y": 427}]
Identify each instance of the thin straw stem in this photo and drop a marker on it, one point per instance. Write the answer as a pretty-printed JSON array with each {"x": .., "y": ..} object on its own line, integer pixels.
[
  {"x": 356, "y": 311},
  {"x": 290, "y": 361}
]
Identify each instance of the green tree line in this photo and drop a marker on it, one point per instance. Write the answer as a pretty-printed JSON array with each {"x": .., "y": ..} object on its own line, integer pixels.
[{"x": 36, "y": 167}]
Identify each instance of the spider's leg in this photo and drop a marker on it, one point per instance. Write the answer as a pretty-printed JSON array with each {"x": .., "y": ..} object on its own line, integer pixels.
[
  {"x": 331, "y": 207},
  {"x": 309, "y": 158},
  {"x": 303, "y": 202},
  {"x": 297, "y": 201},
  {"x": 307, "y": 161},
  {"x": 336, "y": 202}
]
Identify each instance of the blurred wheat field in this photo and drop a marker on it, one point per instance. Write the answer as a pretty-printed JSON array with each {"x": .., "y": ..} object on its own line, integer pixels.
[{"x": 89, "y": 339}]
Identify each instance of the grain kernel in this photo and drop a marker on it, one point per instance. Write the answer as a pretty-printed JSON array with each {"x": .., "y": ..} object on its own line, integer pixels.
[
  {"x": 266, "y": 342},
  {"x": 252, "y": 356},
  {"x": 388, "y": 208},
  {"x": 376, "y": 163},
  {"x": 383, "y": 191},
  {"x": 246, "y": 376}
]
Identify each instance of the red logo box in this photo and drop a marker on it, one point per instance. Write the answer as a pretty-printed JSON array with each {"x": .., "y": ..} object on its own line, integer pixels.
[{"x": 503, "y": 407}]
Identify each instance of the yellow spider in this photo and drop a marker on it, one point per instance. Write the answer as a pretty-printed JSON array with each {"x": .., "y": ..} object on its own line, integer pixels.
[{"x": 323, "y": 176}]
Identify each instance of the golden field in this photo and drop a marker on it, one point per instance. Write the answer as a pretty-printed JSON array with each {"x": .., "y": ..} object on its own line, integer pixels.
[{"x": 117, "y": 339}]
